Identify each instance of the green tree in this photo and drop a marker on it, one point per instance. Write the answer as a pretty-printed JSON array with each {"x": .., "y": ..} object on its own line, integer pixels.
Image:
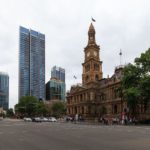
[
  {"x": 27, "y": 106},
  {"x": 10, "y": 113},
  {"x": 136, "y": 83},
  {"x": 58, "y": 109},
  {"x": 41, "y": 109},
  {"x": 143, "y": 62},
  {"x": 130, "y": 85}
]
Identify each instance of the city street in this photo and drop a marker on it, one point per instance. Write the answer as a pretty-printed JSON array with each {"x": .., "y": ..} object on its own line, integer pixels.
[{"x": 20, "y": 135}]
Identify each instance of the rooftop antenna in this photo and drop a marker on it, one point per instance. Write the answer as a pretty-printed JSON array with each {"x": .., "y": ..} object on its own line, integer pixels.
[{"x": 120, "y": 54}]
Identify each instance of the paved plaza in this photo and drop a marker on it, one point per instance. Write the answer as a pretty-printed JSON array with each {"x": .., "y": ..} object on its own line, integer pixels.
[{"x": 20, "y": 135}]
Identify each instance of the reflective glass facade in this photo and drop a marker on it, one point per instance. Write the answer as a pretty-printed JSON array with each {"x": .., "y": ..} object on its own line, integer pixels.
[
  {"x": 31, "y": 63},
  {"x": 58, "y": 73},
  {"x": 4, "y": 91},
  {"x": 56, "y": 87},
  {"x": 55, "y": 90}
]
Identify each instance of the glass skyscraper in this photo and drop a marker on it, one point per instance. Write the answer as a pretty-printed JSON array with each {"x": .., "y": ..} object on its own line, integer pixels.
[
  {"x": 31, "y": 63},
  {"x": 58, "y": 73},
  {"x": 55, "y": 90},
  {"x": 56, "y": 87},
  {"x": 4, "y": 90}
]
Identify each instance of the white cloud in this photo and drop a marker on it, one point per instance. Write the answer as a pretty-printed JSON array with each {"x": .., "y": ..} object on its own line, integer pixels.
[{"x": 119, "y": 24}]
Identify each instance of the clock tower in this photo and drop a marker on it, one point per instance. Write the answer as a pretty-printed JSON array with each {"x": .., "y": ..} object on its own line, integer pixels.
[{"x": 92, "y": 66}]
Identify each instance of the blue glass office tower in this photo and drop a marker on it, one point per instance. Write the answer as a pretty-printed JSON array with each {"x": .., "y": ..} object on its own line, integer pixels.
[
  {"x": 4, "y": 90},
  {"x": 31, "y": 63},
  {"x": 58, "y": 73}
]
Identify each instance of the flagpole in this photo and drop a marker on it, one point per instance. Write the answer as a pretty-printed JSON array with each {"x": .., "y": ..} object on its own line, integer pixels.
[{"x": 120, "y": 53}]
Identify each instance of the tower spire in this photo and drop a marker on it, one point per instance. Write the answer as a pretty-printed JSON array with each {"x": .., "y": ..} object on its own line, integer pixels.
[
  {"x": 91, "y": 35},
  {"x": 92, "y": 66}
]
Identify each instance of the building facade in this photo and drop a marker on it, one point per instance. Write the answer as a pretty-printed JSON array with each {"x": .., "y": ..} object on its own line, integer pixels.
[
  {"x": 58, "y": 73},
  {"x": 96, "y": 96},
  {"x": 4, "y": 91},
  {"x": 31, "y": 63},
  {"x": 55, "y": 90},
  {"x": 56, "y": 87}
]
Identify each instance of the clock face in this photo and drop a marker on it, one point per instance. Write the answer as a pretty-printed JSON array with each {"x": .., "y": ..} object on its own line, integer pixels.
[
  {"x": 88, "y": 54},
  {"x": 91, "y": 38},
  {"x": 95, "y": 53}
]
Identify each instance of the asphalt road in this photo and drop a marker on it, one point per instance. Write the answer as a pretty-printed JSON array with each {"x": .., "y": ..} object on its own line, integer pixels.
[{"x": 19, "y": 135}]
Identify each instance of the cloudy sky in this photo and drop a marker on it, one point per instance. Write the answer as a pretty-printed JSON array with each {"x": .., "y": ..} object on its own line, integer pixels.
[{"x": 120, "y": 24}]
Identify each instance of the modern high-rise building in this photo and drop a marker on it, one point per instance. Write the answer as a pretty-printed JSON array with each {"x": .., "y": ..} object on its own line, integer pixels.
[
  {"x": 31, "y": 63},
  {"x": 56, "y": 87},
  {"x": 4, "y": 90},
  {"x": 58, "y": 73},
  {"x": 55, "y": 90}
]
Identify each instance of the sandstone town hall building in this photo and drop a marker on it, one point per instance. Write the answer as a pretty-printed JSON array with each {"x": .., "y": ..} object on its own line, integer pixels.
[{"x": 96, "y": 96}]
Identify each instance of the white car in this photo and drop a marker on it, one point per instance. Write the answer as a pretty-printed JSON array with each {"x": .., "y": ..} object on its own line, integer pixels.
[
  {"x": 52, "y": 119},
  {"x": 44, "y": 119},
  {"x": 37, "y": 119},
  {"x": 27, "y": 119}
]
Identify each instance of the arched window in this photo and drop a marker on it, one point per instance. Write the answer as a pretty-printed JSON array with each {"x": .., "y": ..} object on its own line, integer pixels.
[
  {"x": 87, "y": 78},
  {"x": 80, "y": 97},
  {"x": 82, "y": 110},
  {"x": 96, "y": 77},
  {"x": 75, "y": 110},
  {"x": 96, "y": 67},
  {"x": 87, "y": 68},
  {"x": 115, "y": 109}
]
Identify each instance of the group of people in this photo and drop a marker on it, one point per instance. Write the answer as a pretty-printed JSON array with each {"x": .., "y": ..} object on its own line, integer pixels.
[
  {"x": 105, "y": 120},
  {"x": 118, "y": 121}
]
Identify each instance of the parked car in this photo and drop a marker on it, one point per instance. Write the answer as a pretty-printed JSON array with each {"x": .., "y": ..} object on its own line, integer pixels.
[
  {"x": 36, "y": 119},
  {"x": 52, "y": 119},
  {"x": 44, "y": 119},
  {"x": 27, "y": 119}
]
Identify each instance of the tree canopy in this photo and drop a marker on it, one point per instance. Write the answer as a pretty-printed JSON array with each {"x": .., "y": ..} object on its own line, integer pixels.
[
  {"x": 58, "y": 109},
  {"x": 30, "y": 106},
  {"x": 136, "y": 82}
]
